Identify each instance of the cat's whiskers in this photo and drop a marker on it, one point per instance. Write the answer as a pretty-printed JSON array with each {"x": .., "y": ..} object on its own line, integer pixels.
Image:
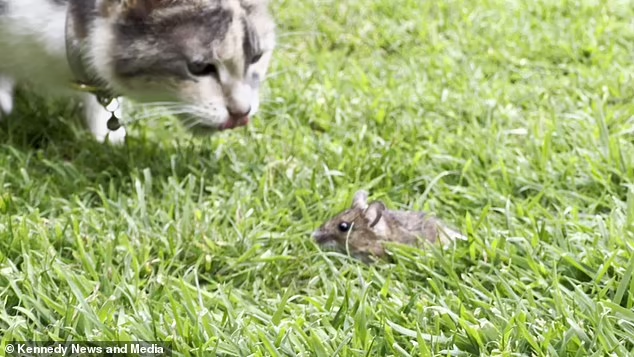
[
  {"x": 161, "y": 114},
  {"x": 165, "y": 108},
  {"x": 160, "y": 104},
  {"x": 302, "y": 34},
  {"x": 162, "y": 109},
  {"x": 278, "y": 73},
  {"x": 190, "y": 121}
]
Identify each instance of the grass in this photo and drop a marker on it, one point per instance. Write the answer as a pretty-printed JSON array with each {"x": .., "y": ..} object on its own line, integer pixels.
[{"x": 513, "y": 121}]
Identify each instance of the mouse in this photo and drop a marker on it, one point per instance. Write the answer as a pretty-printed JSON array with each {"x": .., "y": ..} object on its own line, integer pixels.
[{"x": 362, "y": 230}]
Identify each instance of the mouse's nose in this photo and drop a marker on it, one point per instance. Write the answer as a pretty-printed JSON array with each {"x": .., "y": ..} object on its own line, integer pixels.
[{"x": 319, "y": 236}]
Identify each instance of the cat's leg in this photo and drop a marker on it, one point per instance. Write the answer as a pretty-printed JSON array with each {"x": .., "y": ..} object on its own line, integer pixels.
[
  {"x": 6, "y": 95},
  {"x": 97, "y": 119}
]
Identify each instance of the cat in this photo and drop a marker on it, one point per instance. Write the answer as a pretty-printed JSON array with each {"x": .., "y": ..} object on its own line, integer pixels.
[{"x": 203, "y": 59}]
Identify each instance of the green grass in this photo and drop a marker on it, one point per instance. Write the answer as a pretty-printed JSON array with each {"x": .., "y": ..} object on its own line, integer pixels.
[{"x": 512, "y": 120}]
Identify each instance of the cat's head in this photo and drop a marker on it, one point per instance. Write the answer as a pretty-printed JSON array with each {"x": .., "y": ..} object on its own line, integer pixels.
[{"x": 208, "y": 55}]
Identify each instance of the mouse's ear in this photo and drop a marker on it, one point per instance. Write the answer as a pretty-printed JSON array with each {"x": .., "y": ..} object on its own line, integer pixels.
[
  {"x": 360, "y": 200},
  {"x": 374, "y": 212}
]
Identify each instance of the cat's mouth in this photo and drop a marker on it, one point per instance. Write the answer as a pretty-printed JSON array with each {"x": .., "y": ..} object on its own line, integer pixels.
[
  {"x": 202, "y": 128},
  {"x": 233, "y": 123}
]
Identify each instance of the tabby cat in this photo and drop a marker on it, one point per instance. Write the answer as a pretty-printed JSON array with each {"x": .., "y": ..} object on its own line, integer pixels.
[{"x": 202, "y": 59}]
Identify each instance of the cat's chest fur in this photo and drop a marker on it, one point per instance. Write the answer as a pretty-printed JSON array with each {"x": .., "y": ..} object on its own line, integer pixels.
[{"x": 32, "y": 43}]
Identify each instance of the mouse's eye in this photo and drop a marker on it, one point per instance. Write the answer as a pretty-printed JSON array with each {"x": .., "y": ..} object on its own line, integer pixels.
[{"x": 344, "y": 226}]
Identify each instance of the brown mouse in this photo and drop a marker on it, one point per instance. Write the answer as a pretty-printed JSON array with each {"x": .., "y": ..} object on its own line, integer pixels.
[{"x": 362, "y": 229}]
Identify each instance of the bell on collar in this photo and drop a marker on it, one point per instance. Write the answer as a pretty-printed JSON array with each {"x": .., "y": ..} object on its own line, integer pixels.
[{"x": 113, "y": 123}]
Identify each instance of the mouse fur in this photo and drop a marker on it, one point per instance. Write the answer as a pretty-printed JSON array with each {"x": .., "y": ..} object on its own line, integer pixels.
[{"x": 362, "y": 230}]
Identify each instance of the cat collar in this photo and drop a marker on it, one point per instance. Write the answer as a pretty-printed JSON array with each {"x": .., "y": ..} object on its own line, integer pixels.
[{"x": 83, "y": 81}]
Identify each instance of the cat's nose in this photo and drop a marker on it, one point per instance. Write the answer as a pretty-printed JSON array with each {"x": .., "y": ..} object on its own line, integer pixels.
[{"x": 238, "y": 115}]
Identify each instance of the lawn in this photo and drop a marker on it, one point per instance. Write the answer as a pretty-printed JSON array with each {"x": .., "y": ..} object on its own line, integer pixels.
[{"x": 511, "y": 120}]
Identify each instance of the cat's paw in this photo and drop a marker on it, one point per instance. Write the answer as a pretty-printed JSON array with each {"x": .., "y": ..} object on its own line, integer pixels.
[
  {"x": 6, "y": 96},
  {"x": 6, "y": 104}
]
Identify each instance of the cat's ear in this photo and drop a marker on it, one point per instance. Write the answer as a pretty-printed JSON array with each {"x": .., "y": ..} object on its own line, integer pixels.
[
  {"x": 374, "y": 212},
  {"x": 360, "y": 200}
]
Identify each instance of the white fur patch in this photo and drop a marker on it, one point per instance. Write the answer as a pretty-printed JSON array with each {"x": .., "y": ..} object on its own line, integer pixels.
[
  {"x": 6, "y": 96},
  {"x": 32, "y": 43}
]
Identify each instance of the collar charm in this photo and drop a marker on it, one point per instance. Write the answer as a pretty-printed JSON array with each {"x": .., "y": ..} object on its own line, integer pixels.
[
  {"x": 111, "y": 105},
  {"x": 84, "y": 82}
]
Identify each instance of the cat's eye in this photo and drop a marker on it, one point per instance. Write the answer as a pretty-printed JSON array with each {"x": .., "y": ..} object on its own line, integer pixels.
[
  {"x": 201, "y": 69},
  {"x": 256, "y": 58},
  {"x": 344, "y": 226}
]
